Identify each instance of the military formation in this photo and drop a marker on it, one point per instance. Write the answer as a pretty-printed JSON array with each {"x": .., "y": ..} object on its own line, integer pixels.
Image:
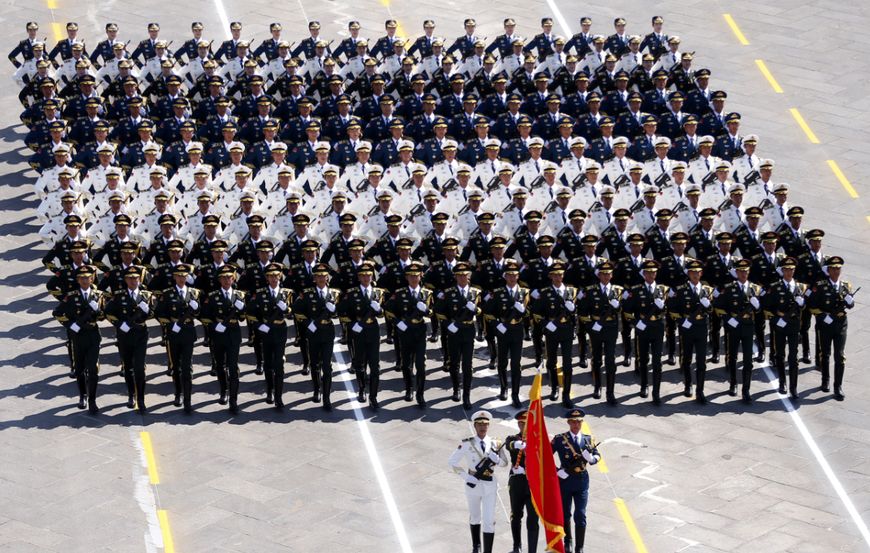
[{"x": 512, "y": 195}]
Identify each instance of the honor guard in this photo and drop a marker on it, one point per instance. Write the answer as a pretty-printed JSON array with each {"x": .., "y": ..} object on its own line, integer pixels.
[
  {"x": 506, "y": 311},
  {"x": 690, "y": 306},
  {"x": 269, "y": 309},
  {"x": 600, "y": 308},
  {"x": 475, "y": 461},
  {"x": 457, "y": 307},
  {"x": 315, "y": 310},
  {"x": 223, "y": 311},
  {"x": 645, "y": 307},
  {"x": 575, "y": 452},
  {"x": 518, "y": 490},
  {"x": 831, "y": 298},
  {"x": 784, "y": 303},
  {"x": 555, "y": 308}
]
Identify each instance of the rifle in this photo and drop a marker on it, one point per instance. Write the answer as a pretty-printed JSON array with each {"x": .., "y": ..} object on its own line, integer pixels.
[
  {"x": 449, "y": 185},
  {"x": 407, "y": 184},
  {"x": 621, "y": 180},
  {"x": 484, "y": 467},
  {"x": 537, "y": 183},
  {"x": 662, "y": 180},
  {"x": 492, "y": 184},
  {"x": 708, "y": 180},
  {"x": 580, "y": 180},
  {"x": 751, "y": 178}
]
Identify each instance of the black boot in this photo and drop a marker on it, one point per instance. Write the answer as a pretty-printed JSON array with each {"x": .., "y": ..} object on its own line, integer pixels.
[
  {"x": 177, "y": 401},
  {"x": 488, "y": 538},
  {"x": 643, "y": 392},
  {"x": 838, "y": 393},
  {"x": 554, "y": 394},
  {"x": 580, "y": 535},
  {"x": 475, "y": 538},
  {"x": 81, "y": 402}
]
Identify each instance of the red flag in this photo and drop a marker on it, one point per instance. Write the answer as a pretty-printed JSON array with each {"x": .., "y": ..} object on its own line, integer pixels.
[{"x": 541, "y": 472}]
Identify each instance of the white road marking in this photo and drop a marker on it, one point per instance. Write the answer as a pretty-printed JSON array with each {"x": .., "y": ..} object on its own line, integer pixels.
[
  {"x": 557, "y": 13},
  {"x": 144, "y": 496},
  {"x": 222, "y": 15},
  {"x": 375, "y": 460},
  {"x": 820, "y": 458}
]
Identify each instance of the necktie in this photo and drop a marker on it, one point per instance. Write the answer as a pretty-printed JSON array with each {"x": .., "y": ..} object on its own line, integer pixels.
[{"x": 482, "y": 446}]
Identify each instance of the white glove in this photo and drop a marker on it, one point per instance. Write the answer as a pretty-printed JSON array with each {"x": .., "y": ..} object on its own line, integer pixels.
[
  {"x": 263, "y": 328},
  {"x": 124, "y": 327},
  {"x": 94, "y": 305},
  {"x": 189, "y": 279},
  {"x": 493, "y": 456},
  {"x": 452, "y": 328},
  {"x": 470, "y": 306},
  {"x": 357, "y": 328},
  {"x": 375, "y": 305},
  {"x": 580, "y": 294},
  {"x": 194, "y": 304},
  {"x": 518, "y": 305},
  {"x": 471, "y": 479},
  {"x": 440, "y": 295},
  {"x": 562, "y": 474},
  {"x": 625, "y": 295},
  {"x": 75, "y": 327},
  {"x": 799, "y": 300},
  {"x": 659, "y": 303},
  {"x": 535, "y": 294},
  {"x": 588, "y": 456},
  {"x": 422, "y": 306},
  {"x": 850, "y": 301},
  {"x": 519, "y": 470},
  {"x": 176, "y": 328},
  {"x": 614, "y": 303},
  {"x": 220, "y": 328},
  {"x": 330, "y": 306},
  {"x": 283, "y": 306},
  {"x": 705, "y": 302},
  {"x": 715, "y": 293},
  {"x": 312, "y": 327},
  {"x": 569, "y": 305},
  {"x": 143, "y": 306},
  {"x": 551, "y": 327},
  {"x": 754, "y": 302},
  {"x": 520, "y": 445},
  {"x": 402, "y": 326},
  {"x": 239, "y": 304}
]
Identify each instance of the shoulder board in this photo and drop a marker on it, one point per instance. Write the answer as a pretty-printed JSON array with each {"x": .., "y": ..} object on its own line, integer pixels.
[{"x": 469, "y": 440}]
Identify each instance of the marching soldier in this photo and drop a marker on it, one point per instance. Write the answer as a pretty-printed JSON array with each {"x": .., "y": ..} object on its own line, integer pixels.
[
  {"x": 599, "y": 310},
  {"x": 717, "y": 273},
  {"x": 474, "y": 461},
  {"x": 177, "y": 308},
  {"x": 506, "y": 311},
  {"x": 268, "y": 309},
  {"x": 518, "y": 490},
  {"x": 645, "y": 305},
  {"x": 79, "y": 311},
  {"x": 223, "y": 311},
  {"x": 575, "y": 451},
  {"x": 829, "y": 301},
  {"x": 458, "y": 307},
  {"x": 409, "y": 306},
  {"x": 360, "y": 307},
  {"x": 784, "y": 304},
  {"x": 315, "y": 310},
  {"x": 129, "y": 310},
  {"x": 536, "y": 276},
  {"x": 737, "y": 304},
  {"x": 489, "y": 276},
  {"x": 690, "y": 306},
  {"x": 555, "y": 310}
]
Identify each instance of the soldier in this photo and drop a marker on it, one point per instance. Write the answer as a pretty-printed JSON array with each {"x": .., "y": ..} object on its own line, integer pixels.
[
  {"x": 253, "y": 279},
  {"x": 555, "y": 309},
  {"x": 409, "y": 306},
  {"x": 575, "y": 451},
  {"x": 690, "y": 307},
  {"x": 79, "y": 311},
  {"x": 129, "y": 310},
  {"x": 359, "y": 308},
  {"x": 458, "y": 307},
  {"x": 536, "y": 276},
  {"x": 268, "y": 309},
  {"x": 506, "y": 311},
  {"x": 717, "y": 273},
  {"x": 783, "y": 304},
  {"x": 830, "y": 299},
  {"x": 223, "y": 311},
  {"x": 645, "y": 306},
  {"x": 737, "y": 304},
  {"x": 315, "y": 310},
  {"x": 177, "y": 308},
  {"x": 518, "y": 489},
  {"x": 599, "y": 310},
  {"x": 474, "y": 461}
]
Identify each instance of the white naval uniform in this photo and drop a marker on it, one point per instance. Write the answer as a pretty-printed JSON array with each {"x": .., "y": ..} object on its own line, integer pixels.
[{"x": 482, "y": 497}]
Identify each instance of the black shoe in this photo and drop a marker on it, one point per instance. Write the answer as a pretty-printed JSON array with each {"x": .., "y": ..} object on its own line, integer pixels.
[
  {"x": 92, "y": 408},
  {"x": 142, "y": 409},
  {"x": 129, "y": 403},
  {"x": 643, "y": 392},
  {"x": 478, "y": 338},
  {"x": 188, "y": 409},
  {"x": 72, "y": 373},
  {"x": 715, "y": 358},
  {"x": 656, "y": 399},
  {"x": 554, "y": 395},
  {"x": 258, "y": 370},
  {"x": 838, "y": 393},
  {"x": 177, "y": 401},
  {"x": 538, "y": 359},
  {"x": 466, "y": 405},
  {"x": 234, "y": 409},
  {"x": 747, "y": 399},
  {"x": 781, "y": 389},
  {"x": 502, "y": 396},
  {"x": 373, "y": 403},
  {"x": 583, "y": 364},
  {"x": 732, "y": 390},
  {"x": 515, "y": 401},
  {"x": 687, "y": 391},
  {"x": 327, "y": 403},
  {"x": 700, "y": 398},
  {"x": 626, "y": 361},
  {"x": 455, "y": 396},
  {"x": 168, "y": 372},
  {"x": 81, "y": 404},
  {"x": 596, "y": 393},
  {"x": 316, "y": 398},
  {"x": 527, "y": 336},
  {"x": 793, "y": 395},
  {"x": 279, "y": 403},
  {"x": 389, "y": 340},
  {"x": 759, "y": 358},
  {"x": 408, "y": 395},
  {"x": 420, "y": 401},
  {"x": 670, "y": 361},
  {"x": 825, "y": 387},
  {"x": 492, "y": 365},
  {"x": 433, "y": 338},
  {"x": 611, "y": 400},
  {"x": 445, "y": 368},
  {"x": 269, "y": 397},
  {"x": 223, "y": 399},
  {"x": 805, "y": 359},
  {"x": 212, "y": 372},
  {"x": 567, "y": 403},
  {"x": 361, "y": 396},
  {"x": 343, "y": 340}
]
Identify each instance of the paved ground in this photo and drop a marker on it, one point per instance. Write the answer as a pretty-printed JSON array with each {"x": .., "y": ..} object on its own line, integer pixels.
[{"x": 721, "y": 478}]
